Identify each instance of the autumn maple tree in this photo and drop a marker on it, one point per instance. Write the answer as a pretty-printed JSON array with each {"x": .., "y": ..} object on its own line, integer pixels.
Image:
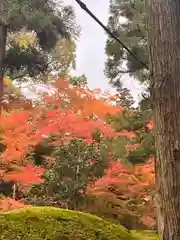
[
  {"x": 40, "y": 142},
  {"x": 125, "y": 194},
  {"x": 65, "y": 114}
]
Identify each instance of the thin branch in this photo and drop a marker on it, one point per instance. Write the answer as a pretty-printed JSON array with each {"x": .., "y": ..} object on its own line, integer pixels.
[
  {"x": 21, "y": 75},
  {"x": 127, "y": 71}
]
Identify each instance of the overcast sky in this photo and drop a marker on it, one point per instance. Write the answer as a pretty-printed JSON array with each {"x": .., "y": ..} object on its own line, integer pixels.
[
  {"x": 91, "y": 46},
  {"x": 91, "y": 55}
]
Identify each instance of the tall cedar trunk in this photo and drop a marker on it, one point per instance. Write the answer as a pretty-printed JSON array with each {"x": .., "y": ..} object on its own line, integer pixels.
[{"x": 164, "y": 47}]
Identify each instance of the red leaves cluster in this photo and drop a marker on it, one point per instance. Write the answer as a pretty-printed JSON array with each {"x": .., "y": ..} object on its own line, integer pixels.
[
  {"x": 68, "y": 123},
  {"x": 23, "y": 130},
  {"x": 18, "y": 135},
  {"x": 84, "y": 101},
  {"x": 7, "y": 204},
  {"x": 134, "y": 178},
  {"x": 27, "y": 175},
  {"x": 126, "y": 189}
]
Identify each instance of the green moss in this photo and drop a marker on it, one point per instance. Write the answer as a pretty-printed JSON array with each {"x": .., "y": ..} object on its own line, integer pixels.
[
  {"x": 48, "y": 223},
  {"x": 145, "y": 235}
]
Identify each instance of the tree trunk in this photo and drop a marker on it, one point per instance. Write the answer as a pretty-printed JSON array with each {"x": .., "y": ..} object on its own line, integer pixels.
[
  {"x": 164, "y": 49},
  {"x": 3, "y": 37}
]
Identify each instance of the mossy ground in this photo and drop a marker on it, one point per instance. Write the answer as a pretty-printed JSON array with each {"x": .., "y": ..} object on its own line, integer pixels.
[
  {"x": 145, "y": 235},
  {"x": 48, "y": 223}
]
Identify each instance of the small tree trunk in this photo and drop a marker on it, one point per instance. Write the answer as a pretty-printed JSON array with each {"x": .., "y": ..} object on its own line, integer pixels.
[
  {"x": 164, "y": 50},
  {"x": 14, "y": 192},
  {"x": 3, "y": 37}
]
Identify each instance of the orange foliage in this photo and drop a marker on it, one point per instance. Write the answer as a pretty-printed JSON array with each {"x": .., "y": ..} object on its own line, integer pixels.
[
  {"x": 18, "y": 135},
  {"x": 23, "y": 130},
  {"x": 67, "y": 113},
  {"x": 136, "y": 179},
  {"x": 16, "y": 102},
  {"x": 150, "y": 125},
  {"x": 84, "y": 101},
  {"x": 27, "y": 175},
  {"x": 126, "y": 189},
  {"x": 7, "y": 204}
]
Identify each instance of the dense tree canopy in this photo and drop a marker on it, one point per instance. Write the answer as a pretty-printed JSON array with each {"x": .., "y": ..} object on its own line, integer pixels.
[
  {"x": 127, "y": 22},
  {"x": 45, "y": 140},
  {"x": 133, "y": 33},
  {"x": 32, "y": 33}
]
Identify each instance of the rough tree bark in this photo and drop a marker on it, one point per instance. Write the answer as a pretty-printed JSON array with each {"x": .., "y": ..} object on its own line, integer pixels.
[{"x": 164, "y": 49}]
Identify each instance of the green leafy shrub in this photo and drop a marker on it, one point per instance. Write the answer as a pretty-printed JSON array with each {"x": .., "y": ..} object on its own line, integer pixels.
[
  {"x": 48, "y": 223},
  {"x": 66, "y": 181}
]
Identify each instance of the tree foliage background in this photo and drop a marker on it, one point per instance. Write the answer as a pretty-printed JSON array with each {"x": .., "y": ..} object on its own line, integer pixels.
[
  {"x": 34, "y": 32},
  {"x": 76, "y": 148},
  {"x": 132, "y": 32}
]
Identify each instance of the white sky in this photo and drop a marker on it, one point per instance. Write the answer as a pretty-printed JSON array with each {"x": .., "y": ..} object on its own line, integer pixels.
[
  {"x": 91, "y": 46},
  {"x": 91, "y": 55}
]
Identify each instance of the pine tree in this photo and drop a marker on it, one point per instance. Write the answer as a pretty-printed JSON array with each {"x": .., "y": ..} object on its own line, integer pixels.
[
  {"x": 76, "y": 164},
  {"x": 132, "y": 32},
  {"x": 47, "y": 19}
]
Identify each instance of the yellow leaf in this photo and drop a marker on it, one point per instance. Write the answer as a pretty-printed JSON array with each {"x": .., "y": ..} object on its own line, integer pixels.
[
  {"x": 7, "y": 81},
  {"x": 25, "y": 39},
  {"x": 23, "y": 43}
]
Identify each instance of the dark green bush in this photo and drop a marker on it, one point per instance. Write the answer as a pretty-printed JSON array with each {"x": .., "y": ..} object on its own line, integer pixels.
[{"x": 48, "y": 223}]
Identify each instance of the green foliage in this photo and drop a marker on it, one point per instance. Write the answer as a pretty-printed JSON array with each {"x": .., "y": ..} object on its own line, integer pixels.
[
  {"x": 49, "y": 21},
  {"x": 80, "y": 81},
  {"x": 20, "y": 61},
  {"x": 137, "y": 122},
  {"x": 125, "y": 99},
  {"x": 117, "y": 146},
  {"x": 137, "y": 156},
  {"x": 76, "y": 164},
  {"x": 145, "y": 149},
  {"x": 63, "y": 57},
  {"x": 133, "y": 34},
  {"x": 45, "y": 223},
  {"x": 130, "y": 120}
]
